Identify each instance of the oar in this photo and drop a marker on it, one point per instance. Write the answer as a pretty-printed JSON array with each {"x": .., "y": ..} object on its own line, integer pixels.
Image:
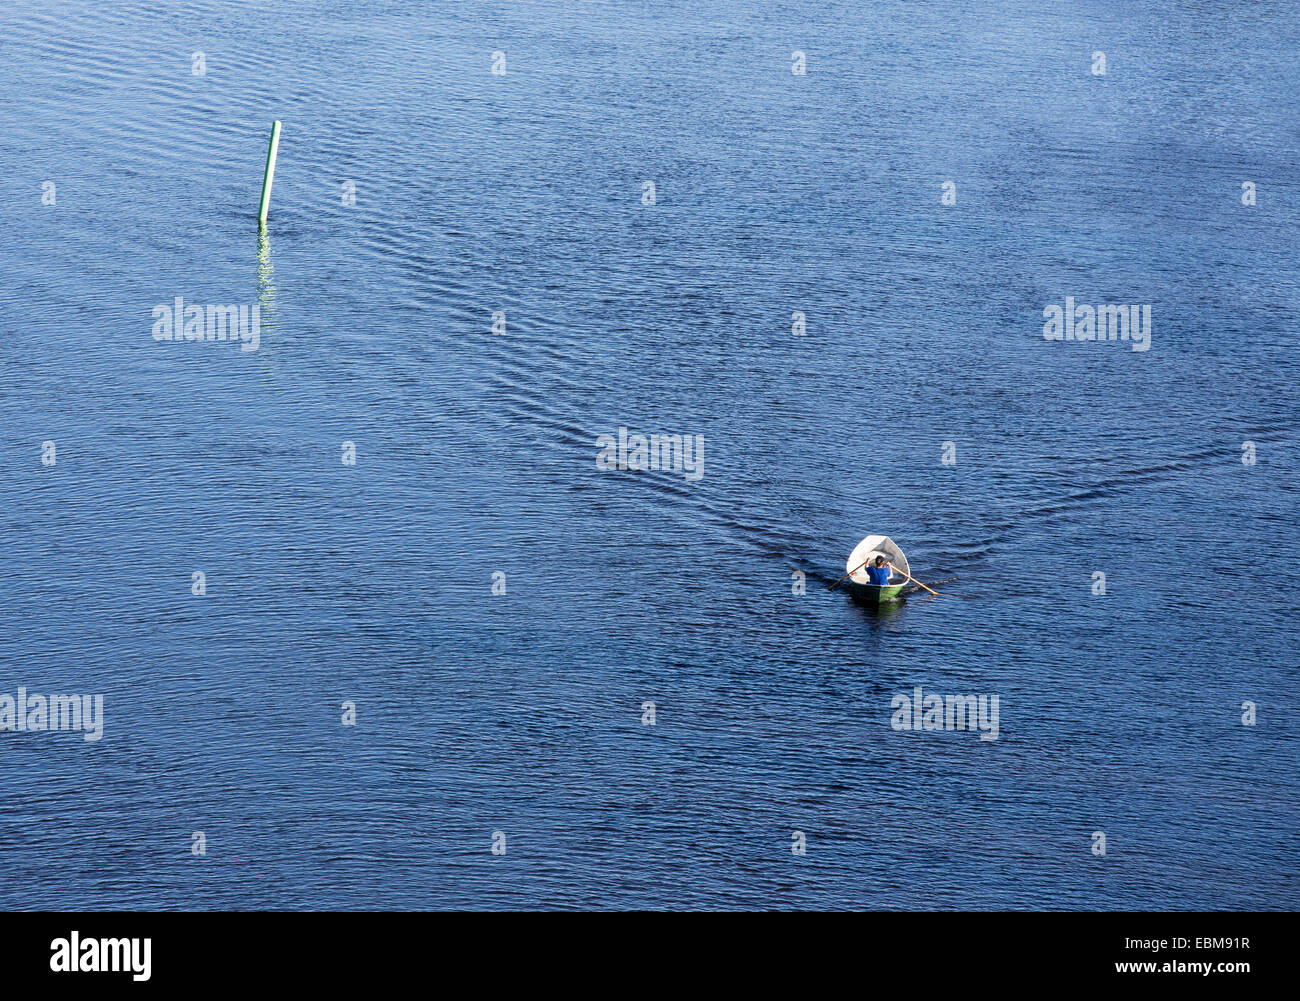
[
  {"x": 850, "y": 573},
  {"x": 912, "y": 579}
]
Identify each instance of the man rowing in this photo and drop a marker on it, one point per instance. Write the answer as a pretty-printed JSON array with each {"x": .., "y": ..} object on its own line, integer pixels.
[{"x": 879, "y": 574}]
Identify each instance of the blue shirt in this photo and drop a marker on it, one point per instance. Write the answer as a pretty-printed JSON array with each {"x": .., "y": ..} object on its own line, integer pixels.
[{"x": 878, "y": 575}]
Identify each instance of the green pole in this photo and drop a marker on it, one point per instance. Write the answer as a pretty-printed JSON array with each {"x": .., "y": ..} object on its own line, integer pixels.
[{"x": 270, "y": 173}]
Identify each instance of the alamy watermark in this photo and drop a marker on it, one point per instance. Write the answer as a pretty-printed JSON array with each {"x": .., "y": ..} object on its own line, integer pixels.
[
  {"x": 26, "y": 713},
  {"x": 179, "y": 322},
  {"x": 678, "y": 453},
  {"x": 920, "y": 711},
  {"x": 75, "y": 954},
  {"x": 1105, "y": 323}
]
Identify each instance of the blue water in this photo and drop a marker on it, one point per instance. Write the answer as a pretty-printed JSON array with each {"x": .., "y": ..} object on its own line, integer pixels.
[{"x": 522, "y": 712}]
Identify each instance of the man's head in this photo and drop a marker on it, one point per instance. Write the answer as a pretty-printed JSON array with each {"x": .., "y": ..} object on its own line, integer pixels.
[{"x": 880, "y": 561}]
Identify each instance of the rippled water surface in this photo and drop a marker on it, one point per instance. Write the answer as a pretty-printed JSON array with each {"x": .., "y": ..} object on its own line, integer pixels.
[{"x": 522, "y": 713}]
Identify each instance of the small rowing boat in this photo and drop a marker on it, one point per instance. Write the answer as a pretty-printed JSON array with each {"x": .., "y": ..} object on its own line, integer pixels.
[{"x": 864, "y": 553}]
